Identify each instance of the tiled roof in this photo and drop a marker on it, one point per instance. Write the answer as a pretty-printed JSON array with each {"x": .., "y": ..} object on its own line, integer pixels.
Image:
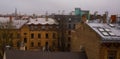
[
  {"x": 17, "y": 54},
  {"x": 107, "y": 32}
]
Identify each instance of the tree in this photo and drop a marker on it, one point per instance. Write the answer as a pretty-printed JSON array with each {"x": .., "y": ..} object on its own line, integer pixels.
[{"x": 5, "y": 36}]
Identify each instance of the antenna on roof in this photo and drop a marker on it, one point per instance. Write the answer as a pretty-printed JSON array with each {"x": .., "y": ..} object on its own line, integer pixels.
[
  {"x": 58, "y": 11},
  {"x": 95, "y": 14},
  {"x": 46, "y": 15},
  {"x": 63, "y": 12},
  {"x": 15, "y": 13},
  {"x": 106, "y": 13}
]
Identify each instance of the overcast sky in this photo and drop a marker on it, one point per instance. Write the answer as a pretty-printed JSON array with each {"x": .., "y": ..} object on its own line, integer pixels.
[{"x": 52, "y": 6}]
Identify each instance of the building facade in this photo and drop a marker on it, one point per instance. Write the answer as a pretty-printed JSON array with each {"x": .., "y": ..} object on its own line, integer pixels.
[
  {"x": 34, "y": 34},
  {"x": 100, "y": 41},
  {"x": 67, "y": 23}
]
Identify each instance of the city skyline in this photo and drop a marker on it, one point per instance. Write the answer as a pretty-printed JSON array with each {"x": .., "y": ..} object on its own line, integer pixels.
[{"x": 53, "y": 6}]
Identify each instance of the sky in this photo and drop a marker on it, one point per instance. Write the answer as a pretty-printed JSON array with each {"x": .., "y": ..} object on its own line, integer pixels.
[{"x": 53, "y": 6}]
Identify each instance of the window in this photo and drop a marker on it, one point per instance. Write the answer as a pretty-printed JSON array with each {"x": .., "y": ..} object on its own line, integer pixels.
[
  {"x": 35, "y": 27},
  {"x": 69, "y": 19},
  {"x": 32, "y": 35},
  {"x": 69, "y": 26},
  {"x": 47, "y": 35},
  {"x": 68, "y": 47},
  {"x": 54, "y": 35},
  {"x": 31, "y": 27},
  {"x": 25, "y": 33},
  {"x": 39, "y": 44},
  {"x": 32, "y": 44},
  {"x": 18, "y": 44},
  {"x": 106, "y": 32},
  {"x": 46, "y": 46},
  {"x": 43, "y": 27},
  {"x": 73, "y": 26},
  {"x": 69, "y": 39},
  {"x": 39, "y": 35},
  {"x": 25, "y": 40},
  {"x": 112, "y": 54},
  {"x": 69, "y": 32},
  {"x": 18, "y": 36},
  {"x": 11, "y": 35},
  {"x": 101, "y": 29}
]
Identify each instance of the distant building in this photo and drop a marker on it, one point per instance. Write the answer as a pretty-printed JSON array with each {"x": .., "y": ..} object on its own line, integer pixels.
[
  {"x": 100, "y": 41},
  {"x": 67, "y": 23},
  {"x": 81, "y": 13}
]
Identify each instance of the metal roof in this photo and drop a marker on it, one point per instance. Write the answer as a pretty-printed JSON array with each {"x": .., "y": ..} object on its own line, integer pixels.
[{"x": 106, "y": 31}]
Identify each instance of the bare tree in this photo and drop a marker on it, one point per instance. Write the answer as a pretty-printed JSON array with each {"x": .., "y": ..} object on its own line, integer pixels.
[{"x": 5, "y": 35}]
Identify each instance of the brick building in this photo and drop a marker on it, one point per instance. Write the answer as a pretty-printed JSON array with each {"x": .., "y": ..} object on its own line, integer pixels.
[{"x": 100, "y": 41}]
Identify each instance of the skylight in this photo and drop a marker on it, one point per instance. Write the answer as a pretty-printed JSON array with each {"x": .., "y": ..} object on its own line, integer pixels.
[
  {"x": 105, "y": 33},
  {"x": 112, "y": 34},
  {"x": 112, "y": 25},
  {"x": 106, "y": 29},
  {"x": 100, "y": 29}
]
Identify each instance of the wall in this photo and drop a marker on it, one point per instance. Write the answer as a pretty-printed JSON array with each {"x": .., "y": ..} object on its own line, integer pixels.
[{"x": 84, "y": 37}]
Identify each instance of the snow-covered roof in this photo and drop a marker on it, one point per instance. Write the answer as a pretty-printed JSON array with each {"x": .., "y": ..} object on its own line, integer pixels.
[
  {"x": 15, "y": 23},
  {"x": 42, "y": 21},
  {"x": 19, "y": 23},
  {"x": 108, "y": 33},
  {"x": 4, "y": 19}
]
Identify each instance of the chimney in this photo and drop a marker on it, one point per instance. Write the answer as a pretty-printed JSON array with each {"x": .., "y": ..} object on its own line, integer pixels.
[
  {"x": 10, "y": 18},
  {"x": 46, "y": 16},
  {"x": 107, "y": 18},
  {"x": 84, "y": 19},
  {"x": 113, "y": 18}
]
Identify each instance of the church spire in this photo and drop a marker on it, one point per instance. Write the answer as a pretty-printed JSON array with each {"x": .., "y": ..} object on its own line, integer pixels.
[{"x": 16, "y": 15}]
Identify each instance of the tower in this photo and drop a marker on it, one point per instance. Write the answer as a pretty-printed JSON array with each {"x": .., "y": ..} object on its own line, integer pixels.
[{"x": 16, "y": 15}]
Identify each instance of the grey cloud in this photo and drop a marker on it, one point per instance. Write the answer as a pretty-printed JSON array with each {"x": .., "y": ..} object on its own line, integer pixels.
[{"x": 41, "y": 6}]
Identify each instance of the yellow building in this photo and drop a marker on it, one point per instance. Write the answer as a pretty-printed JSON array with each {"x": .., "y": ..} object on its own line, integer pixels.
[
  {"x": 98, "y": 40},
  {"x": 40, "y": 33},
  {"x": 33, "y": 34}
]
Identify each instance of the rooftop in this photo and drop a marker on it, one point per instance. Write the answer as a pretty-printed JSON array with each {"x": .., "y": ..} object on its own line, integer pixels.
[
  {"x": 42, "y": 21},
  {"x": 17, "y": 54},
  {"x": 15, "y": 23},
  {"x": 108, "y": 32}
]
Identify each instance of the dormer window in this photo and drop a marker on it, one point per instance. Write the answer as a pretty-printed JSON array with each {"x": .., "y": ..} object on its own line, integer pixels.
[{"x": 69, "y": 19}]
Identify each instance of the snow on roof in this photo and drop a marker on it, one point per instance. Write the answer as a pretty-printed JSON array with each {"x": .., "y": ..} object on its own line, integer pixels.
[
  {"x": 19, "y": 23},
  {"x": 42, "y": 21},
  {"x": 4, "y": 19},
  {"x": 109, "y": 33},
  {"x": 15, "y": 23}
]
